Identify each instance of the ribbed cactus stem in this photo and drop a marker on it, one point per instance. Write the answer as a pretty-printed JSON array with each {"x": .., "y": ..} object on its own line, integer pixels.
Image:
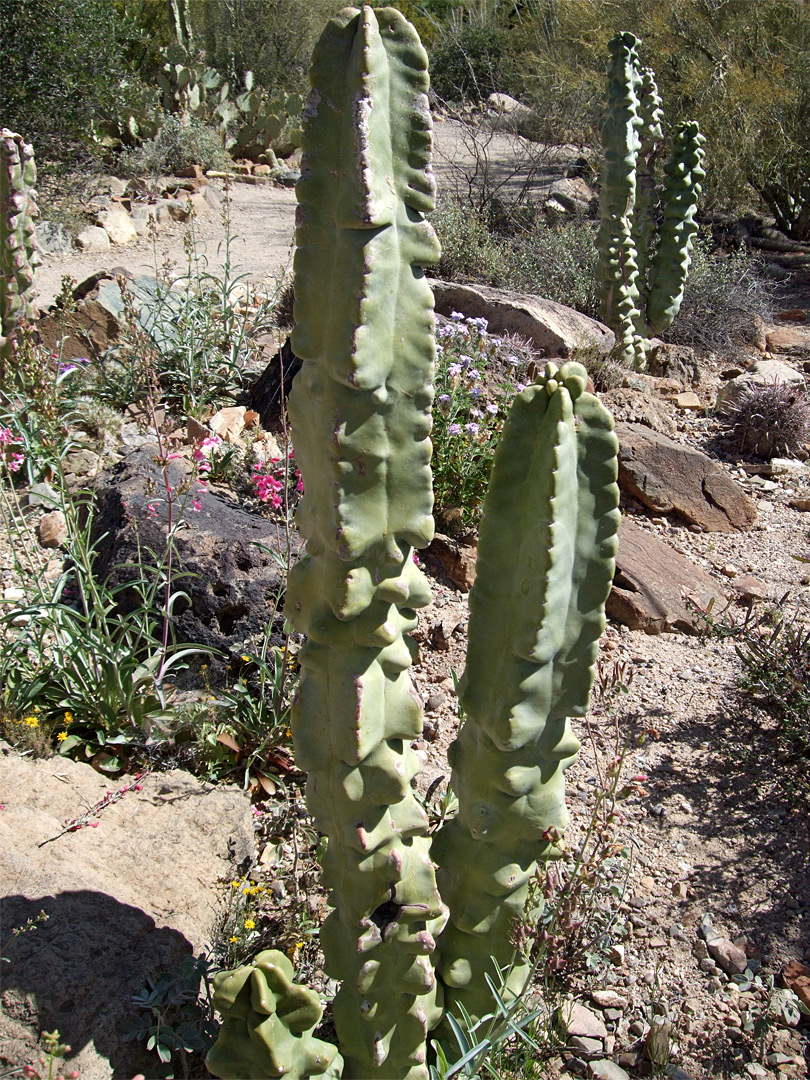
[
  {"x": 645, "y": 214},
  {"x": 645, "y": 236},
  {"x": 19, "y": 253},
  {"x": 684, "y": 174},
  {"x": 267, "y": 1025},
  {"x": 618, "y": 269},
  {"x": 545, "y": 563},
  {"x": 361, "y": 414}
]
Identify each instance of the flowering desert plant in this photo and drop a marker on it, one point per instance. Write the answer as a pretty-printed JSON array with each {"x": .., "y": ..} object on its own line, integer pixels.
[{"x": 408, "y": 943}]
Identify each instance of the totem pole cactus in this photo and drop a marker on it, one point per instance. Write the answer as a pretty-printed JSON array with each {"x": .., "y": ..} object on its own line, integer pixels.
[
  {"x": 19, "y": 254},
  {"x": 545, "y": 563},
  {"x": 267, "y": 1024},
  {"x": 361, "y": 413},
  {"x": 645, "y": 237}
]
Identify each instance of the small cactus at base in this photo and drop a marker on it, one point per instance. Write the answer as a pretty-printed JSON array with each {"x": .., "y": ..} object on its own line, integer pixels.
[
  {"x": 19, "y": 253},
  {"x": 267, "y": 1025},
  {"x": 645, "y": 235}
]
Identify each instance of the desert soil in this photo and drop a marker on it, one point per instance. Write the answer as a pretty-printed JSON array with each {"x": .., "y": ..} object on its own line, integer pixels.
[{"x": 720, "y": 824}]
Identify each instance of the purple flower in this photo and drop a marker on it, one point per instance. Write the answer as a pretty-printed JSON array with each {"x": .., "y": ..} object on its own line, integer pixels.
[
  {"x": 492, "y": 409},
  {"x": 444, "y": 399},
  {"x": 473, "y": 374},
  {"x": 480, "y": 325},
  {"x": 476, "y": 393},
  {"x": 471, "y": 429},
  {"x": 520, "y": 387},
  {"x": 445, "y": 331},
  {"x": 454, "y": 429},
  {"x": 513, "y": 360},
  {"x": 454, "y": 370},
  {"x": 439, "y": 350},
  {"x": 476, "y": 414},
  {"x": 467, "y": 361},
  {"x": 456, "y": 316}
]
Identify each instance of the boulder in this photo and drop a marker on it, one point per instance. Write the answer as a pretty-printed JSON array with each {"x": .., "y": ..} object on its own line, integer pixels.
[
  {"x": 93, "y": 239},
  {"x": 455, "y": 559},
  {"x": 556, "y": 330},
  {"x": 670, "y": 478},
  {"x": 118, "y": 225},
  {"x": 638, "y": 407},
  {"x": 652, "y": 581},
  {"x": 126, "y": 899},
  {"x": 674, "y": 362},
  {"x": 52, "y": 239},
  {"x": 789, "y": 341},
  {"x": 571, "y": 194},
  {"x": 234, "y": 586},
  {"x": 761, "y": 373},
  {"x": 52, "y": 530}
]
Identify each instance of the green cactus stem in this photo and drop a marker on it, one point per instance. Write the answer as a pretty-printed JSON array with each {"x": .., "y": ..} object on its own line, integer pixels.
[
  {"x": 360, "y": 413},
  {"x": 545, "y": 563},
  {"x": 645, "y": 235},
  {"x": 267, "y": 1025},
  {"x": 19, "y": 253}
]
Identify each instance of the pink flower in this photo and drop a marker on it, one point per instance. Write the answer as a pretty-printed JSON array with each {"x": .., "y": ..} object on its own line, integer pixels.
[
  {"x": 196, "y": 505},
  {"x": 15, "y": 462},
  {"x": 6, "y": 435}
]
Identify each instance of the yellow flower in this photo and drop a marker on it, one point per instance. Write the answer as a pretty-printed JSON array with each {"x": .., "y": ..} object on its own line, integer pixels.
[
  {"x": 68, "y": 719},
  {"x": 236, "y": 884},
  {"x": 250, "y": 924},
  {"x": 293, "y": 949},
  {"x": 233, "y": 939},
  {"x": 32, "y": 721},
  {"x": 246, "y": 659},
  {"x": 62, "y": 736}
]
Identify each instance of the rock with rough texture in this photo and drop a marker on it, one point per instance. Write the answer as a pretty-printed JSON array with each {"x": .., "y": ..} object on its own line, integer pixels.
[
  {"x": 52, "y": 529},
  {"x": 638, "y": 407},
  {"x": 126, "y": 899},
  {"x": 789, "y": 341},
  {"x": 557, "y": 330},
  {"x": 605, "y": 1069},
  {"x": 93, "y": 239},
  {"x": 576, "y": 1019},
  {"x": 454, "y": 558},
  {"x": 52, "y": 239},
  {"x": 761, "y": 373},
  {"x": 651, "y": 583},
  {"x": 671, "y": 478},
  {"x": 675, "y": 362},
  {"x": 796, "y": 977},
  {"x": 229, "y": 423},
  {"x": 118, "y": 225},
  {"x": 730, "y": 957},
  {"x": 234, "y": 586},
  {"x": 571, "y": 194}
]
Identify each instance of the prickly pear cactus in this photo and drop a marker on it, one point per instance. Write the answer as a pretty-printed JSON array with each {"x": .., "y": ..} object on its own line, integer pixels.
[
  {"x": 645, "y": 235},
  {"x": 360, "y": 412},
  {"x": 267, "y": 1025},
  {"x": 545, "y": 563},
  {"x": 19, "y": 254}
]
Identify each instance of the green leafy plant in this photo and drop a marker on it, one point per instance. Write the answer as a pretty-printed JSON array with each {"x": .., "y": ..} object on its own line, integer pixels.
[
  {"x": 177, "y": 144},
  {"x": 177, "y": 1018}
]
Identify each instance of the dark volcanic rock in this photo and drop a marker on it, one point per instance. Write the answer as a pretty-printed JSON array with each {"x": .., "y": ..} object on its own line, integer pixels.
[{"x": 233, "y": 585}]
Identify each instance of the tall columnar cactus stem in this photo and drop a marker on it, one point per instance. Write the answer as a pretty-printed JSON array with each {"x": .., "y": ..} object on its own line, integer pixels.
[
  {"x": 19, "y": 254},
  {"x": 684, "y": 173},
  {"x": 267, "y": 1025},
  {"x": 644, "y": 239},
  {"x": 360, "y": 412},
  {"x": 545, "y": 563}
]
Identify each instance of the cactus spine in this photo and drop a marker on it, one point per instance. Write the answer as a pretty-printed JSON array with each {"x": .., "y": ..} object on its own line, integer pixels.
[
  {"x": 545, "y": 563},
  {"x": 645, "y": 238},
  {"x": 19, "y": 253},
  {"x": 360, "y": 412}
]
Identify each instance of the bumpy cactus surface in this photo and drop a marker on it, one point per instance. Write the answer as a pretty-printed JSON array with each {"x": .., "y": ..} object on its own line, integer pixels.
[
  {"x": 360, "y": 411},
  {"x": 267, "y": 1025},
  {"x": 361, "y": 414},
  {"x": 19, "y": 254},
  {"x": 545, "y": 563},
  {"x": 645, "y": 236}
]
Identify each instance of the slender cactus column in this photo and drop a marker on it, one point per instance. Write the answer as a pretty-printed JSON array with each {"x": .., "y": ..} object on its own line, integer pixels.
[
  {"x": 19, "y": 253},
  {"x": 545, "y": 563},
  {"x": 360, "y": 412}
]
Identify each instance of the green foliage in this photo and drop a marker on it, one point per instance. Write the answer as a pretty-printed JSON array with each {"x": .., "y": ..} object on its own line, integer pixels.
[
  {"x": 62, "y": 63},
  {"x": 555, "y": 261},
  {"x": 178, "y": 144},
  {"x": 177, "y": 1016},
  {"x": 466, "y": 62}
]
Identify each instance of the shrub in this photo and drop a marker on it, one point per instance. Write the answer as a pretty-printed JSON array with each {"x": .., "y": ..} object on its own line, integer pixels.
[
  {"x": 772, "y": 420},
  {"x": 178, "y": 144},
  {"x": 723, "y": 300},
  {"x": 465, "y": 64}
]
